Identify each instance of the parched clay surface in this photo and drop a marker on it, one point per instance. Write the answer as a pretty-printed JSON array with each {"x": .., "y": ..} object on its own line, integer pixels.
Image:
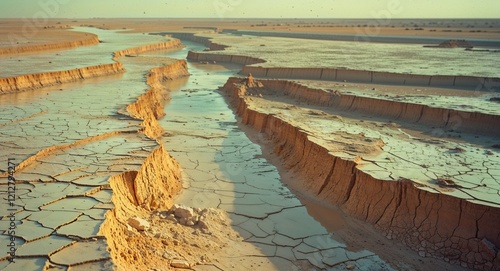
[
  {"x": 360, "y": 154},
  {"x": 67, "y": 143},
  {"x": 97, "y": 185}
]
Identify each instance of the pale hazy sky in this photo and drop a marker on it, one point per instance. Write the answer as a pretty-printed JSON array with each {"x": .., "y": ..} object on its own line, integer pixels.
[{"x": 251, "y": 8}]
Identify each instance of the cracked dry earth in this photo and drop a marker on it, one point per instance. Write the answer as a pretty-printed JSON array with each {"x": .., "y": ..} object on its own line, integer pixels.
[
  {"x": 74, "y": 211},
  {"x": 70, "y": 139},
  {"x": 385, "y": 150},
  {"x": 224, "y": 169},
  {"x": 67, "y": 141},
  {"x": 390, "y": 150}
]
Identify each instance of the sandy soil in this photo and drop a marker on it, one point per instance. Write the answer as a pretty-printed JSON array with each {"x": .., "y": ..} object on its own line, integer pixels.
[
  {"x": 405, "y": 28},
  {"x": 14, "y": 32},
  {"x": 53, "y": 31}
]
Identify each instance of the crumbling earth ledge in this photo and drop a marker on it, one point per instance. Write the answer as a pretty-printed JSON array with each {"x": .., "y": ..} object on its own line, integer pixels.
[
  {"x": 40, "y": 80},
  {"x": 435, "y": 225},
  {"x": 92, "y": 40},
  {"x": 167, "y": 45},
  {"x": 149, "y": 106},
  {"x": 134, "y": 194},
  {"x": 464, "y": 121},
  {"x": 45, "y": 79}
]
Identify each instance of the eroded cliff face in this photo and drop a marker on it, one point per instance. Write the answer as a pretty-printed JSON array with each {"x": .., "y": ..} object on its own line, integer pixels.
[
  {"x": 153, "y": 187},
  {"x": 375, "y": 77},
  {"x": 473, "y": 122},
  {"x": 91, "y": 40},
  {"x": 236, "y": 59},
  {"x": 172, "y": 44},
  {"x": 433, "y": 224},
  {"x": 149, "y": 106},
  {"x": 135, "y": 194},
  {"x": 212, "y": 46},
  {"x": 40, "y": 80},
  {"x": 360, "y": 76},
  {"x": 172, "y": 71}
]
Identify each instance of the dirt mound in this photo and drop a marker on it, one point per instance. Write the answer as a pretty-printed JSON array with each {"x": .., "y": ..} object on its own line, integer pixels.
[
  {"x": 250, "y": 82},
  {"x": 455, "y": 44},
  {"x": 452, "y": 44}
]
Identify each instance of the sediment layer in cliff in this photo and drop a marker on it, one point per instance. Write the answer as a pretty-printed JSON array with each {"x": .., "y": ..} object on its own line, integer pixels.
[
  {"x": 167, "y": 45},
  {"x": 434, "y": 224},
  {"x": 40, "y": 80},
  {"x": 91, "y": 40}
]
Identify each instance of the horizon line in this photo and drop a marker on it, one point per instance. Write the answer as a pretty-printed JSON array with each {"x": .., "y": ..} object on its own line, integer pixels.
[{"x": 259, "y": 18}]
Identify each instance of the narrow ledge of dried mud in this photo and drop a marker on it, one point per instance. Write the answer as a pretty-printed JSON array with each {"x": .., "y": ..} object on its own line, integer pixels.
[
  {"x": 149, "y": 106},
  {"x": 471, "y": 122},
  {"x": 154, "y": 186},
  {"x": 212, "y": 46},
  {"x": 375, "y": 77},
  {"x": 358, "y": 76},
  {"x": 433, "y": 224},
  {"x": 135, "y": 194},
  {"x": 236, "y": 59},
  {"x": 51, "y": 150},
  {"x": 92, "y": 40},
  {"x": 167, "y": 45},
  {"x": 41, "y": 80}
]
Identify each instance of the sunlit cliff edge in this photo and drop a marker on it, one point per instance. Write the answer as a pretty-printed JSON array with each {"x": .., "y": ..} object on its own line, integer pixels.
[{"x": 437, "y": 225}]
